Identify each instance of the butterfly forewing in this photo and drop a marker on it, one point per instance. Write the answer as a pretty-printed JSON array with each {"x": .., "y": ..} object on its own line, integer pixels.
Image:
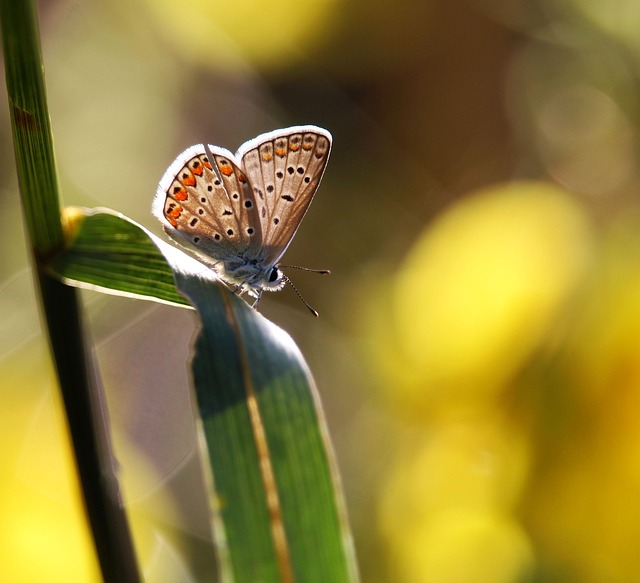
[{"x": 285, "y": 168}]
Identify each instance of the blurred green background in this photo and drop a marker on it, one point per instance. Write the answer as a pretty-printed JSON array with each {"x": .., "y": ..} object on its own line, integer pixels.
[{"x": 478, "y": 350}]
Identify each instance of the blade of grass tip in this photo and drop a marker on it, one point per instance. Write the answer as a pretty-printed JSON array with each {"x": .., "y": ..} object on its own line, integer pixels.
[
  {"x": 278, "y": 513},
  {"x": 110, "y": 253},
  {"x": 39, "y": 193}
]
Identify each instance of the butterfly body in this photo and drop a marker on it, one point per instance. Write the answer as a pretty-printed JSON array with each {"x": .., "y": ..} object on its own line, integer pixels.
[{"x": 240, "y": 212}]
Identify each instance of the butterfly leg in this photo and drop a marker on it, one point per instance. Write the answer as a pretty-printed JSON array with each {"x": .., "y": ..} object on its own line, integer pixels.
[{"x": 255, "y": 304}]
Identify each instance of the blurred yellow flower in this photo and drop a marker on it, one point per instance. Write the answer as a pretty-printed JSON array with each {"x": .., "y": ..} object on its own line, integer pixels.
[
  {"x": 481, "y": 288},
  {"x": 447, "y": 508},
  {"x": 43, "y": 531},
  {"x": 233, "y": 36}
]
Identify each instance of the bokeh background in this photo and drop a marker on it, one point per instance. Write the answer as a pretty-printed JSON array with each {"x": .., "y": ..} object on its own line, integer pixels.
[{"x": 478, "y": 351}]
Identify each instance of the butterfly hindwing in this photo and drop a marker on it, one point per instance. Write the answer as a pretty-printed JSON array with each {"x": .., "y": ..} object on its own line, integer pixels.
[
  {"x": 239, "y": 206},
  {"x": 195, "y": 203}
]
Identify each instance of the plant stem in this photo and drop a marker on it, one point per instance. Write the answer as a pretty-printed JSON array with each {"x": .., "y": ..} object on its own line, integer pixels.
[{"x": 77, "y": 376}]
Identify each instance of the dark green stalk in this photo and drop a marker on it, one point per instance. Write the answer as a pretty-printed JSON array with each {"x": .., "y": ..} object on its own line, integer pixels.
[{"x": 36, "y": 169}]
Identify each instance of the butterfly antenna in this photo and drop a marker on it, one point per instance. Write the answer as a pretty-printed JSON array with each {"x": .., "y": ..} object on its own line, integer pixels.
[
  {"x": 321, "y": 271},
  {"x": 300, "y": 295}
]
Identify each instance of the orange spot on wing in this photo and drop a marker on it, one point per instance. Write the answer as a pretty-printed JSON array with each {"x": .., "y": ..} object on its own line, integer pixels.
[
  {"x": 173, "y": 222},
  {"x": 241, "y": 177},
  {"x": 205, "y": 162},
  {"x": 307, "y": 147},
  {"x": 197, "y": 170},
  {"x": 281, "y": 152},
  {"x": 181, "y": 194},
  {"x": 226, "y": 169},
  {"x": 174, "y": 213},
  {"x": 267, "y": 156},
  {"x": 294, "y": 147},
  {"x": 187, "y": 178}
]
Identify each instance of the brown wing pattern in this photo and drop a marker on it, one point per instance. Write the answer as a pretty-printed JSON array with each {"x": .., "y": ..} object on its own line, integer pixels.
[
  {"x": 285, "y": 169},
  {"x": 209, "y": 203}
]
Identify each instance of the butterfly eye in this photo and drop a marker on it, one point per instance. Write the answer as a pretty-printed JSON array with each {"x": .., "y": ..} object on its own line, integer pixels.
[{"x": 274, "y": 275}]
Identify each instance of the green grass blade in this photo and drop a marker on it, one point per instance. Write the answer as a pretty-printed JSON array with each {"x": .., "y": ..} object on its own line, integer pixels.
[
  {"x": 278, "y": 513},
  {"x": 108, "y": 252},
  {"x": 31, "y": 126},
  {"x": 281, "y": 515}
]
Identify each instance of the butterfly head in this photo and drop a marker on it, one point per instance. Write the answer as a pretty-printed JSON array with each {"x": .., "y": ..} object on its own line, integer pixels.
[
  {"x": 251, "y": 276},
  {"x": 274, "y": 280}
]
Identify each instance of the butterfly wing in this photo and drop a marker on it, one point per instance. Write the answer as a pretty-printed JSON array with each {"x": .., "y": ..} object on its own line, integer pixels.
[
  {"x": 285, "y": 168},
  {"x": 206, "y": 201}
]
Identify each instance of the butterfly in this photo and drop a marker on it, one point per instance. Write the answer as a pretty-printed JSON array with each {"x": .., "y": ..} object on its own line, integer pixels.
[{"x": 240, "y": 212}]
